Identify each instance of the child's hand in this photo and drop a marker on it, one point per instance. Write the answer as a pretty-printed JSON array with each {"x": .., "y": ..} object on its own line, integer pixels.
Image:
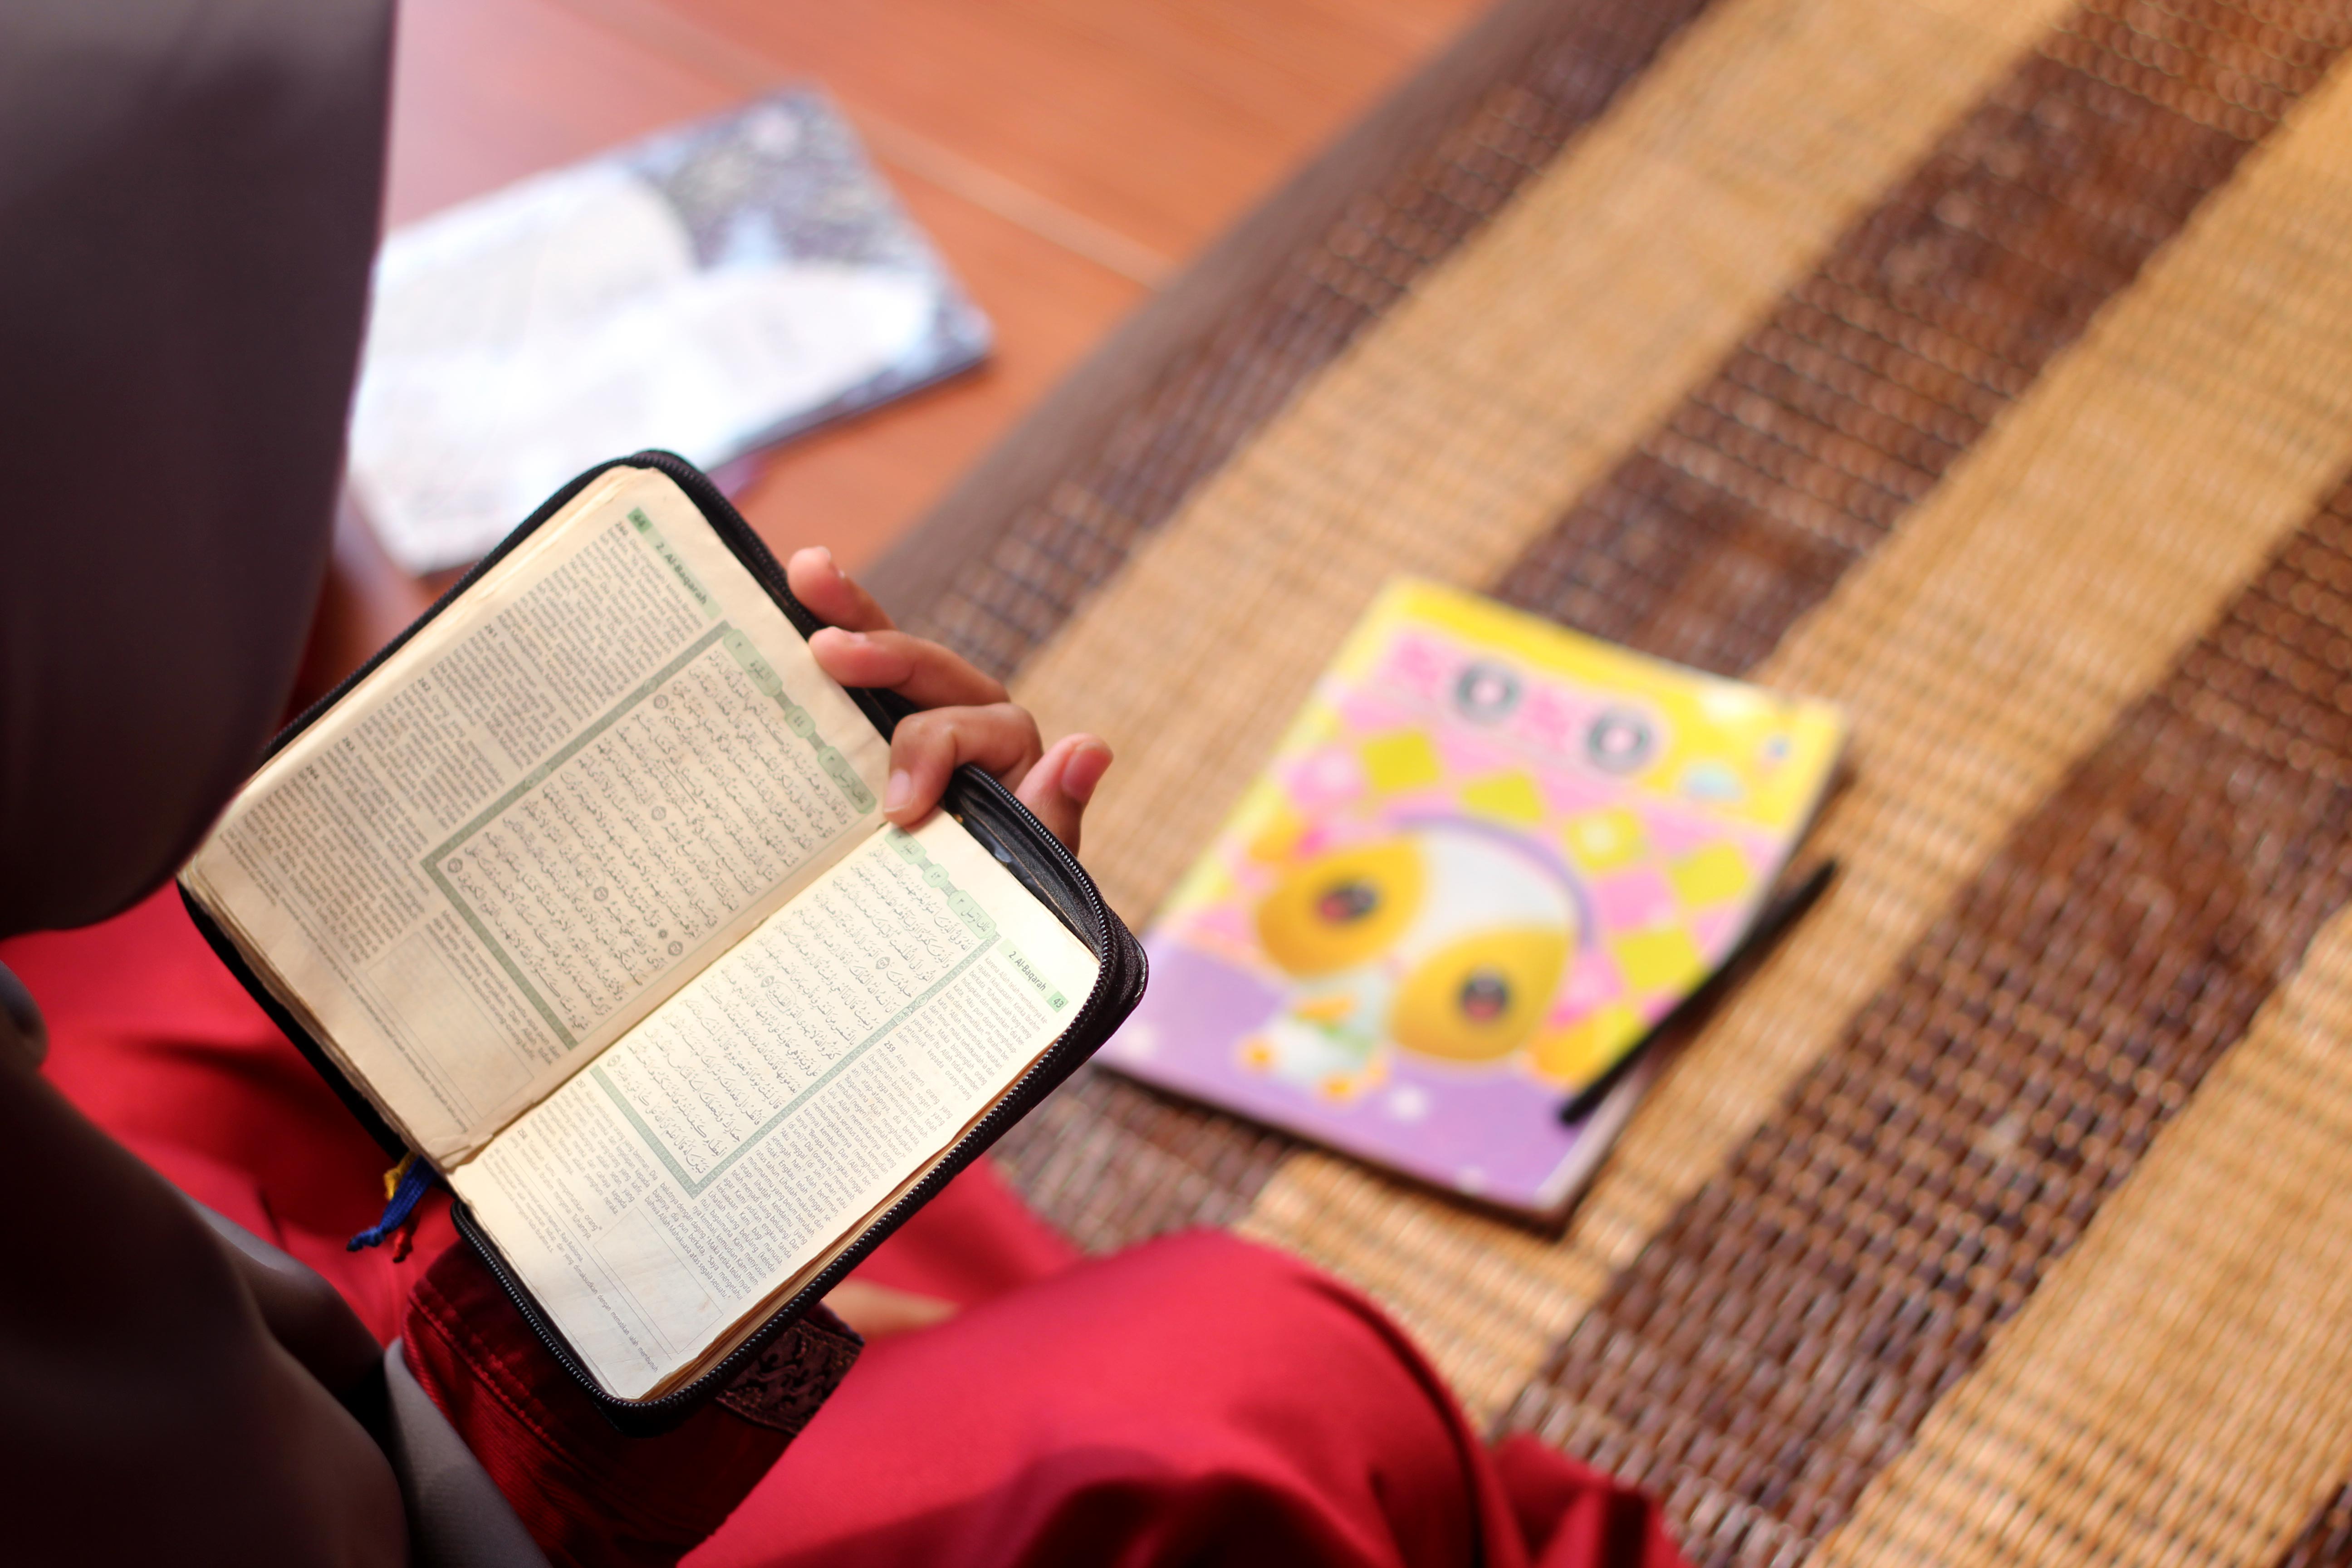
[{"x": 966, "y": 718}]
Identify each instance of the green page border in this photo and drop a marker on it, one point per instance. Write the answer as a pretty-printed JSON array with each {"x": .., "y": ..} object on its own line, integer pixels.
[
  {"x": 966, "y": 909},
  {"x": 796, "y": 719}
]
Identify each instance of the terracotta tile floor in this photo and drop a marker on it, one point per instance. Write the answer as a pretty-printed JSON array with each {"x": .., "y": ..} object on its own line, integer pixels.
[{"x": 1065, "y": 155}]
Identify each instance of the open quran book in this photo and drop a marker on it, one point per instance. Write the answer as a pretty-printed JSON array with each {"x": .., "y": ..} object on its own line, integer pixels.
[{"x": 583, "y": 890}]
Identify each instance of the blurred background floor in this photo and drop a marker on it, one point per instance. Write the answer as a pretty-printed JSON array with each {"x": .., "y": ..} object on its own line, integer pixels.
[{"x": 1065, "y": 155}]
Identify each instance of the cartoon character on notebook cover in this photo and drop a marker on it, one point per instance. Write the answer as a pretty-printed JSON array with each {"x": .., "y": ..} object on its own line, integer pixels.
[
  {"x": 1488, "y": 856},
  {"x": 1444, "y": 938}
]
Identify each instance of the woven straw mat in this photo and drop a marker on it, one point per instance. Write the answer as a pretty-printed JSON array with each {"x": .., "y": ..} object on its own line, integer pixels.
[{"x": 1984, "y": 367}]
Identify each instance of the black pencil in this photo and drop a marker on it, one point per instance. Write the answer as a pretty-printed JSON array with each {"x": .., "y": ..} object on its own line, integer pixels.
[{"x": 1776, "y": 917}]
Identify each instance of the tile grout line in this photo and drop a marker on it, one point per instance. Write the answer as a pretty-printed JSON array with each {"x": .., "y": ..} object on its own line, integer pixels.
[{"x": 689, "y": 43}]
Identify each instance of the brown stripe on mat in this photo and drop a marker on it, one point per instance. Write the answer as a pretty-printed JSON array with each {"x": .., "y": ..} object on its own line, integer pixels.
[
  {"x": 1110, "y": 1162},
  {"x": 1930, "y": 318},
  {"x": 1983, "y": 650},
  {"x": 1784, "y": 1337},
  {"x": 2326, "y": 1540},
  {"x": 1926, "y": 319},
  {"x": 2172, "y": 1392},
  {"x": 997, "y": 569}
]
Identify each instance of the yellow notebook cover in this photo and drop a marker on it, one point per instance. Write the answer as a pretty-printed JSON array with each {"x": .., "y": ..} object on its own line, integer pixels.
[{"x": 1487, "y": 856}]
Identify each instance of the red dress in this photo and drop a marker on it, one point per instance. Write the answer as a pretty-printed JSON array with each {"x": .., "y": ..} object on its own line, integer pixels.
[{"x": 1195, "y": 1398}]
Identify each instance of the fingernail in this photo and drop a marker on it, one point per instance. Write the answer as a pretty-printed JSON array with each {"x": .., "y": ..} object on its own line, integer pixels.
[
  {"x": 1085, "y": 771},
  {"x": 831, "y": 564},
  {"x": 899, "y": 790}
]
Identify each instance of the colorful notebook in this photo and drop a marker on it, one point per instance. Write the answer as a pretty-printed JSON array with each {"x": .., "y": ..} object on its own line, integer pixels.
[{"x": 1488, "y": 856}]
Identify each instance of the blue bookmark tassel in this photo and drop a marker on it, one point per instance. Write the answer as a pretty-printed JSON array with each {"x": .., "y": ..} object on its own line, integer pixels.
[{"x": 404, "y": 1185}]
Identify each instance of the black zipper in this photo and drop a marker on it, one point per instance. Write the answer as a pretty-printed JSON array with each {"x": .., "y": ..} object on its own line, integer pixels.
[{"x": 1118, "y": 984}]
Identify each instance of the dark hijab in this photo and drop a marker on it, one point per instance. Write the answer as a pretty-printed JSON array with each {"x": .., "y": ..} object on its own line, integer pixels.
[
  {"x": 188, "y": 195},
  {"x": 188, "y": 205}
]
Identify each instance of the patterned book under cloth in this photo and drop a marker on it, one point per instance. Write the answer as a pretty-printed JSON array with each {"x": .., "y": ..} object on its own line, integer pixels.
[{"x": 709, "y": 290}]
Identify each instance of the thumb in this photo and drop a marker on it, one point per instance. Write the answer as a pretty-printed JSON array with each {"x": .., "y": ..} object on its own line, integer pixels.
[{"x": 1061, "y": 783}]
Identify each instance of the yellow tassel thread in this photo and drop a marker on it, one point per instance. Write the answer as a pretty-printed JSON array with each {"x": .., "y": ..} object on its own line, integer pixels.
[{"x": 391, "y": 1177}]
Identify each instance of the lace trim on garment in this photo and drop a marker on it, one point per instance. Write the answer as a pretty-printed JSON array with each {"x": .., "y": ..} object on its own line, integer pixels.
[{"x": 784, "y": 1387}]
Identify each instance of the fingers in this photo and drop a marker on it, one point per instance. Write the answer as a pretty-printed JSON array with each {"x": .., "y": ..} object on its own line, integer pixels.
[
  {"x": 930, "y": 746},
  {"x": 966, "y": 716},
  {"x": 876, "y": 1311},
  {"x": 829, "y": 594},
  {"x": 1056, "y": 784},
  {"x": 860, "y": 647},
  {"x": 1061, "y": 783},
  {"x": 923, "y": 672}
]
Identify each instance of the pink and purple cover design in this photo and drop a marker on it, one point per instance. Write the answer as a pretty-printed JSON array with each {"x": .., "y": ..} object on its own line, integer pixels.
[{"x": 1490, "y": 854}]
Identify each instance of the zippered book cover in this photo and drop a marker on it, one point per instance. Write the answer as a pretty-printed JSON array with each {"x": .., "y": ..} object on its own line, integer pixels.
[
  {"x": 1489, "y": 857},
  {"x": 580, "y": 894}
]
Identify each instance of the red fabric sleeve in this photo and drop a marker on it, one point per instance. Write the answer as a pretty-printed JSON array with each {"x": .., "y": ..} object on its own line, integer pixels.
[
  {"x": 1175, "y": 1402},
  {"x": 589, "y": 1496},
  {"x": 1195, "y": 1399}
]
